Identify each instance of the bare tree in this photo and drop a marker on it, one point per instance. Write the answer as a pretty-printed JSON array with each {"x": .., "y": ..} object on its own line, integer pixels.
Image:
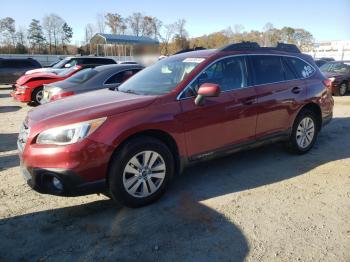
[
  {"x": 167, "y": 36},
  {"x": 135, "y": 23},
  {"x": 268, "y": 32},
  {"x": 53, "y": 25},
  {"x": 180, "y": 28},
  {"x": 8, "y": 30},
  {"x": 114, "y": 22},
  {"x": 101, "y": 23}
]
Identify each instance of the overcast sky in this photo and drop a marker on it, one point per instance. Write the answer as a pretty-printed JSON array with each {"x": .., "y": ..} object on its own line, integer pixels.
[{"x": 326, "y": 20}]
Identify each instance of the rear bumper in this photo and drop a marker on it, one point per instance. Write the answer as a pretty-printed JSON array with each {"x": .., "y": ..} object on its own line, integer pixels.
[{"x": 41, "y": 180}]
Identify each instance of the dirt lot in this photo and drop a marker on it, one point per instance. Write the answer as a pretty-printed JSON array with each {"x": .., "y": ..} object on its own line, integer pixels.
[{"x": 262, "y": 205}]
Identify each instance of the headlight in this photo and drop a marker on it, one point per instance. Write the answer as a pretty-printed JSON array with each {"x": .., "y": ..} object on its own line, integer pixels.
[
  {"x": 70, "y": 134},
  {"x": 22, "y": 87},
  {"x": 54, "y": 90}
]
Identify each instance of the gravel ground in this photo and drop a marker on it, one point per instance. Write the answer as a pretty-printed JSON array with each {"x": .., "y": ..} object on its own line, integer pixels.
[{"x": 261, "y": 205}]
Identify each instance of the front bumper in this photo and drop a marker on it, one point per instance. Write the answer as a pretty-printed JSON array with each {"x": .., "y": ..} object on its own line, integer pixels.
[
  {"x": 21, "y": 95},
  {"x": 41, "y": 180}
]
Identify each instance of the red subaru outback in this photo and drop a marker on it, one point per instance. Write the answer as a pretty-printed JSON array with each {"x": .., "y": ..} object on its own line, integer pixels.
[{"x": 128, "y": 143}]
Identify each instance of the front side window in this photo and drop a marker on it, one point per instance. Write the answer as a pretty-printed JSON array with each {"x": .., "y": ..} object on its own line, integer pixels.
[
  {"x": 162, "y": 77},
  {"x": 228, "y": 73},
  {"x": 267, "y": 69}
]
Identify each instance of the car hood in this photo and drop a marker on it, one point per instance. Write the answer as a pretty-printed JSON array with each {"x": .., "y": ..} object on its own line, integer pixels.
[
  {"x": 36, "y": 76},
  {"x": 43, "y": 70},
  {"x": 87, "y": 106}
]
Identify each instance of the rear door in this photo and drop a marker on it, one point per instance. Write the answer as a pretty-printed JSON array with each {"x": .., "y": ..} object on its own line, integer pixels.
[{"x": 279, "y": 92}]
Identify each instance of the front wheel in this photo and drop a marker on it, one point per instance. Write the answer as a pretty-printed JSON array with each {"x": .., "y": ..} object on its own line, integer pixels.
[
  {"x": 37, "y": 95},
  {"x": 140, "y": 172},
  {"x": 304, "y": 133}
]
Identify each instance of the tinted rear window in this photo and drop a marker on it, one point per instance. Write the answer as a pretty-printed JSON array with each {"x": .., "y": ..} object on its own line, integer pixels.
[
  {"x": 302, "y": 69},
  {"x": 267, "y": 69}
]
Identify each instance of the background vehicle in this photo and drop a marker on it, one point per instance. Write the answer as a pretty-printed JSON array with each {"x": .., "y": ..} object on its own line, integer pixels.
[
  {"x": 12, "y": 68},
  {"x": 320, "y": 62},
  {"x": 29, "y": 88},
  {"x": 339, "y": 73},
  {"x": 90, "y": 79},
  {"x": 186, "y": 108},
  {"x": 73, "y": 61}
]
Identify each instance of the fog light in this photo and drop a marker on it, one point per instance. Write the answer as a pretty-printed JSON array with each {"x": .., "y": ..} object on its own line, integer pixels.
[{"x": 57, "y": 183}]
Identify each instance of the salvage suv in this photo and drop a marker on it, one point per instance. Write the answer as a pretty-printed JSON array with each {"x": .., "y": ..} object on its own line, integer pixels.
[{"x": 128, "y": 143}]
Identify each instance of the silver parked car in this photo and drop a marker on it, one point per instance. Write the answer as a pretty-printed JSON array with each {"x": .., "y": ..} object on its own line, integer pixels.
[{"x": 90, "y": 79}]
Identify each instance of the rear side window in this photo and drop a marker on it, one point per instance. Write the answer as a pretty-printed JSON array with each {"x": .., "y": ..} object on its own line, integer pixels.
[
  {"x": 302, "y": 69},
  {"x": 82, "y": 76},
  {"x": 267, "y": 69},
  {"x": 289, "y": 70},
  {"x": 121, "y": 77}
]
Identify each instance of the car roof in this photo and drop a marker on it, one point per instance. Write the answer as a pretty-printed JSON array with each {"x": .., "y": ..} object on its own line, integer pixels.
[{"x": 117, "y": 66}]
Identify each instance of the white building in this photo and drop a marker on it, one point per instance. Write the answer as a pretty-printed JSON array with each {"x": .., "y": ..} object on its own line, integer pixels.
[{"x": 339, "y": 49}]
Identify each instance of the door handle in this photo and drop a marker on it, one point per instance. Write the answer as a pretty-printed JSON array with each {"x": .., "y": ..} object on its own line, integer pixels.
[
  {"x": 249, "y": 101},
  {"x": 296, "y": 90}
]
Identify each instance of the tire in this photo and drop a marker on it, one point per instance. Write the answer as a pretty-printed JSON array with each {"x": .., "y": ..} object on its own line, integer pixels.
[
  {"x": 306, "y": 118},
  {"x": 36, "y": 94},
  {"x": 343, "y": 89},
  {"x": 134, "y": 186}
]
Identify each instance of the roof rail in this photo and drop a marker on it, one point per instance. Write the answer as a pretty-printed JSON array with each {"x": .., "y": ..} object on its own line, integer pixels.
[
  {"x": 287, "y": 48},
  {"x": 243, "y": 46},
  {"x": 190, "y": 50}
]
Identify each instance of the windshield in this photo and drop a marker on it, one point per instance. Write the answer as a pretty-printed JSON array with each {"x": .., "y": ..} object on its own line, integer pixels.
[
  {"x": 162, "y": 77},
  {"x": 61, "y": 63},
  {"x": 67, "y": 71},
  {"x": 341, "y": 67},
  {"x": 82, "y": 76}
]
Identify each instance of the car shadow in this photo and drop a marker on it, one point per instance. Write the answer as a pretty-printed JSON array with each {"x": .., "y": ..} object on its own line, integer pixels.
[
  {"x": 4, "y": 95},
  {"x": 8, "y": 142},
  {"x": 179, "y": 227},
  {"x": 8, "y": 109}
]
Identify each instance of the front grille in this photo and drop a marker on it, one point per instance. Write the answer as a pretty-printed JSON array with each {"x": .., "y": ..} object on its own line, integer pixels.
[{"x": 22, "y": 137}]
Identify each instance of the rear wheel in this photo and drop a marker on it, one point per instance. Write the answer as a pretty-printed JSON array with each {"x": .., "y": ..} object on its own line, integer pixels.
[
  {"x": 37, "y": 95},
  {"x": 304, "y": 133},
  {"x": 140, "y": 172}
]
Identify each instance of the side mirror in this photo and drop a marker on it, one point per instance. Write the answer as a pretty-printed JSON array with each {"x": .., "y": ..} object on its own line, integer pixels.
[
  {"x": 67, "y": 65},
  {"x": 206, "y": 90}
]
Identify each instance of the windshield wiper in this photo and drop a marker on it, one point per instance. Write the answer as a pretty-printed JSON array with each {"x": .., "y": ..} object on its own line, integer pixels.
[{"x": 129, "y": 91}]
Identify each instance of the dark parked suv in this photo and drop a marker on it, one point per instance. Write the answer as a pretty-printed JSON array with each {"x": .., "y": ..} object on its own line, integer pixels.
[
  {"x": 12, "y": 68},
  {"x": 186, "y": 108}
]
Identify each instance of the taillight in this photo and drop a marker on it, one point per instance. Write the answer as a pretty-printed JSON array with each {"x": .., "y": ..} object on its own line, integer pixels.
[{"x": 61, "y": 95}]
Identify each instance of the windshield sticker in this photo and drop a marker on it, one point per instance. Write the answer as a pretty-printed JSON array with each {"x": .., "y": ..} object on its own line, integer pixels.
[
  {"x": 307, "y": 71},
  {"x": 193, "y": 60}
]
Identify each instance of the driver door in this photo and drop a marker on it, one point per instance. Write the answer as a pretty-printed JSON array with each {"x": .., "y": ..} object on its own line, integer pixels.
[{"x": 221, "y": 121}]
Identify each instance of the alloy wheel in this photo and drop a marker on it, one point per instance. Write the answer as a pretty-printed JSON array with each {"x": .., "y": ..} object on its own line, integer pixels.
[
  {"x": 305, "y": 132},
  {"x": 39, "y": 96},
  {"x": 144, "y": 174}
]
